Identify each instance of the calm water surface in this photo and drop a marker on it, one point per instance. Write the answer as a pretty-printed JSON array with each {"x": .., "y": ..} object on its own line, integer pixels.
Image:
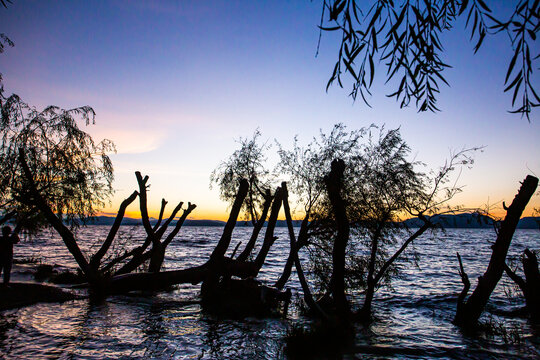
[{"x": 414, "y": 318}]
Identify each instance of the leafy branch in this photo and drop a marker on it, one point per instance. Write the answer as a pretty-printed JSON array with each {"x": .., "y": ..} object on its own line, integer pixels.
[{"x": 406, "y": 37}]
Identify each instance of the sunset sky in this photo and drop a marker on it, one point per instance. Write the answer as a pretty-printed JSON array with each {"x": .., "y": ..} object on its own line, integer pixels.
[{"x": 174, "y": 83}]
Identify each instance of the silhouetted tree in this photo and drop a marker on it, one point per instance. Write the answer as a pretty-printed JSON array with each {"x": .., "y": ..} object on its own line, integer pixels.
[
  {"x": 407, "y": 37},
  {"x": 469, "y": 310},
  {"x": 378, "y": 189},
  {"x": 71, "y": 172},
  {"x": 4, "y": 41},
  {"x": 5, "y": 2},
  {"x": 305, "y": 169},
  {"x": 152, "y": 251},
  {"x": 530, "y": 286},
  {"x": 247, "y": 163}
]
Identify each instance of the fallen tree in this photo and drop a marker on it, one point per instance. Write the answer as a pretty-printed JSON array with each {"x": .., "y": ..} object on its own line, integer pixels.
[
  {"x": 101, "y": 278},
  {"x": 219, "y": 290}
]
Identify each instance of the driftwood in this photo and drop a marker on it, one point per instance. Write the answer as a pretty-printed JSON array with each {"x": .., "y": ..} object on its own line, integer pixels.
[{"x": 468, "y": 312}]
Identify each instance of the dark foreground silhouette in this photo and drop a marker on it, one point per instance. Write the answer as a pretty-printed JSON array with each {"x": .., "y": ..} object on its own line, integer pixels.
[{"x": 19, "y": 294}]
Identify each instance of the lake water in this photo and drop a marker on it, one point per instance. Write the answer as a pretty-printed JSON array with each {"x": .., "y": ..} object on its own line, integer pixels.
[{"x": 413, "y": 320}]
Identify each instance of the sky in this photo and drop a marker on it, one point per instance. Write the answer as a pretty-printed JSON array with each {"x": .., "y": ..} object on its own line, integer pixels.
[{"x": 175, "y": 84}]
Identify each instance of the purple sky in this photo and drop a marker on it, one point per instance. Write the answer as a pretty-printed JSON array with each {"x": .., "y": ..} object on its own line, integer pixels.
[{"x": 175, "y": 83}]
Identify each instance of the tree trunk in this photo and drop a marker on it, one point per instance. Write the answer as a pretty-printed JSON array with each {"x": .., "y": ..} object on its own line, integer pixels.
[
  {"x": 333, "y": 183},
  {"x": 365, "y": 312},
  {"x": 225, "y": 240},
  {"x": 95, "y": 261},
  {"x": 530, "y": 286},
  {"x": 210, "y": 283},
  {"x": 269, "y": 235},
  {"x": 308, "y": 297},
  {"x": 256, "y": 229},
  {"x": 156, "y": 257},
  {"x": 66, "y": 235},
  {"x": 294, "y": 248},
  {"x": 152, "y": 281},
  {"x": 469, "y": 312}
]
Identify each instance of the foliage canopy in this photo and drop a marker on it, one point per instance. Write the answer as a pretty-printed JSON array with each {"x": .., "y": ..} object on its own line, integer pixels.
[
  {"x": 248, "y": 163},
  {"x": 72, "y": 172},
  {"x": 381, "y": 189}
]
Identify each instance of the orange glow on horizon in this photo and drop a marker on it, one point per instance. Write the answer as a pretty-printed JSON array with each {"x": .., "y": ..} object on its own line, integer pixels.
[
  {"x": 195, "y": 215},
  {"x": 216, "y": 211},
  {"x": 498, "y": 213}
]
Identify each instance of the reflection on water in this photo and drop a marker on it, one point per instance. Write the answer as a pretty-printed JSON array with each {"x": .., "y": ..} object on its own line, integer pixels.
[{"x": 414, "y": 318}]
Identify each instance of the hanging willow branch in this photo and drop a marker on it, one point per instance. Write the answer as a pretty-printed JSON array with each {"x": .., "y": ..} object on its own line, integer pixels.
[{"x": 406, "y": 37}]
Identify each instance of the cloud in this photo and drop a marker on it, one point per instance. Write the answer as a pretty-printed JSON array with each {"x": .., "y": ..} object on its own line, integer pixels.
[{"x": 129, "y": 140}]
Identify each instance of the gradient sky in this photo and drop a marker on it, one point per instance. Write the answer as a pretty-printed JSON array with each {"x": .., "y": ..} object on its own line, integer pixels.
[{"x": 174, "y": 83}]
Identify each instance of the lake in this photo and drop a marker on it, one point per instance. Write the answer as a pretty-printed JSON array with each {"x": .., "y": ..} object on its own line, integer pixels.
[{"x": 413, "y": 319}]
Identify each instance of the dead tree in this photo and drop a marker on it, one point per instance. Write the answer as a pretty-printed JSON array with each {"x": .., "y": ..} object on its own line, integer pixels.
[
  {"x": 219, "y": 252},
  {"x": 530, "y": 286},
  {"x": 154, "y": 234},
  {"x": 222, "y": 293},
  {"x": 99, "y": 278},
  {"x": 215, "y": 263},
  {"x": 468, "y": 312},
  {"x": 156, "y": 253}
]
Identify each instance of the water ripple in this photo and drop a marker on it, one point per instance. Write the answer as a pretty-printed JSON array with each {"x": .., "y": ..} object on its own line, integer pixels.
[{"x": 413, "y": 320}]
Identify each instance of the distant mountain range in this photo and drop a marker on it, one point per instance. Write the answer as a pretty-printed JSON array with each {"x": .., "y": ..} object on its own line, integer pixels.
[
  {"x": 109, "y": 220},
  {"x": 472, "y": 221},
  {"x": 462, "y": 221}
]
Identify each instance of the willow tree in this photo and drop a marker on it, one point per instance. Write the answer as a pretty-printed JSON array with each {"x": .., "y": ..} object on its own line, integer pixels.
[
  {"x": 407, "y": 38},
  {"x": 368, "y": 197},
  {"x": 71, "y": 171},
  {"x": 304, "y": 169},
  {"x": 247, "y": 163}
]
